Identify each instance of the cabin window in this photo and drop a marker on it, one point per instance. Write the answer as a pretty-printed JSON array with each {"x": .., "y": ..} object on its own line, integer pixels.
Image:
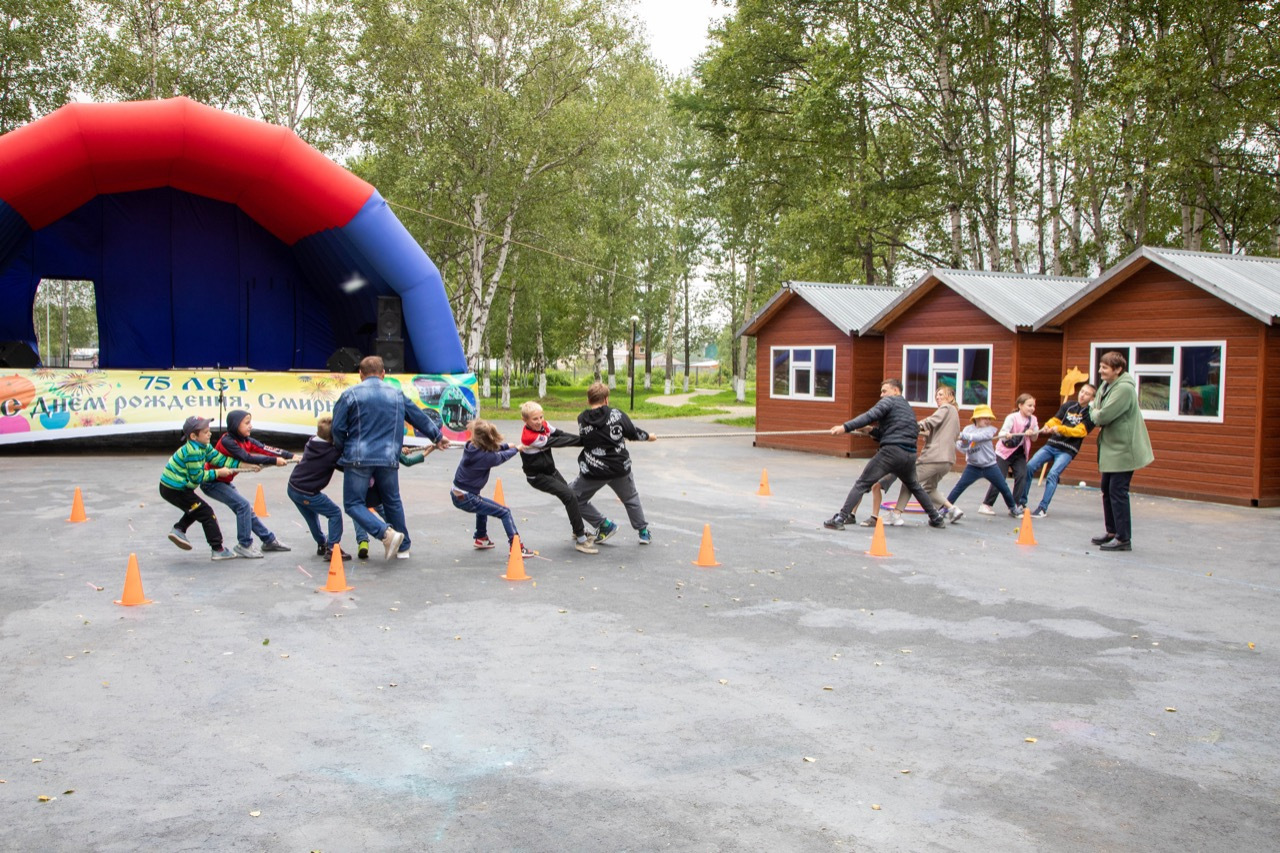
[
  {"x": 1176, "y": 380},
  {"x": 807, "y": 373},
  {"x": 966, "y": 370}
]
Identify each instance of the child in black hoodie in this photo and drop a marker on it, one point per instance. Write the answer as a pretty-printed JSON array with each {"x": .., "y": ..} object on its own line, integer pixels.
[
  {"x": 604, "y": 461},
  {"x": 306, "y": 489}
]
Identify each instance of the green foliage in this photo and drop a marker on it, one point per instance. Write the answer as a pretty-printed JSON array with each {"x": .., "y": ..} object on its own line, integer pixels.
[{"x": 40, "y": 66}]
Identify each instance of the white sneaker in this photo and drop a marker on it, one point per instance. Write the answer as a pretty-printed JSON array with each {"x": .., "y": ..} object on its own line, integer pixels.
[
  {"x": 896, "y": 519},
  {"x": 955, "y": 514},
  {"x": 247, "y": 551},
  {"x": 391, "y": 542},
  {"x": 983, "y": 509},
  {"x": 402, "y": 555}
]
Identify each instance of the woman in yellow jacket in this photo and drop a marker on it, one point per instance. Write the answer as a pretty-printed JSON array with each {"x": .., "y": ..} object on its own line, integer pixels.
[{"x": 1123, "y": 447}]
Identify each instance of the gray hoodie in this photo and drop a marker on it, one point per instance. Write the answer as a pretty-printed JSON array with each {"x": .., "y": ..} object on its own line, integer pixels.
[{"x": 975, "y": 442}]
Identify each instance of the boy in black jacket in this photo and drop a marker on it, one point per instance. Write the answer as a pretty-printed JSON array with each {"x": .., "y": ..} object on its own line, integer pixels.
[
  {"x": 604, "y": 461},
  {"x": 536, "y": 440},
  {"x": 237, "y": 443},
  {"x": 306, "y": 484}
]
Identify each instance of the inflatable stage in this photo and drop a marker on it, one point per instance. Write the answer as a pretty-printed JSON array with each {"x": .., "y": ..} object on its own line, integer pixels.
[{"x": 223, "y": 251}]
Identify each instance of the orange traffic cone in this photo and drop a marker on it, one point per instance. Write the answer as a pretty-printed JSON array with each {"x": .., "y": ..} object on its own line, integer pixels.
[
  {"x": 879, "y": 545},
  {"x": 515, "y": 562},
  {"x": 337, "y": 574},
  {"x": 132, "y": 594},
  {"x": 764, "y": 483},
  {"x": 77, "y": 507},
  {"x": 706, "y": 553},
  {"x": 498, "y": 497},
  {"x": 260, "y": 504},
  {"x": 1026, "y": 535}
]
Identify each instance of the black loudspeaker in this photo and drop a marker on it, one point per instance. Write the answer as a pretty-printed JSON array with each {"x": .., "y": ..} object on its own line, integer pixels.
[
  {"x": 390, "y": 319},
  {"x": 391, "y": 351},
  {"x": 18, "y": 354},
  {"x": 345, "y": 360}
]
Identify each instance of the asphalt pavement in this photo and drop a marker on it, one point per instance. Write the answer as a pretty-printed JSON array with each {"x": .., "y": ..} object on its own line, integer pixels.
[{"x": 965, "y": 693}]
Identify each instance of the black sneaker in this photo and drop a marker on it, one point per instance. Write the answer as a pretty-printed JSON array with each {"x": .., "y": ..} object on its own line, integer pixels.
[
  {"x": 362, "y": 550},
  {"x": 275, "y": 545},
  {"x": 320, "y": 550},
  {"x": 836, "y": 522},
  {"x": 1103, "y": 539},
  {"x": 937, "y": 521},
  {"x": 328, "y": 554},
  {"x": 1116, "y": 545}
]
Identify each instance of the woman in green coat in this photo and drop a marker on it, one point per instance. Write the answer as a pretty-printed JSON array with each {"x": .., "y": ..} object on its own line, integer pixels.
[{"x": 1123, "y": 447}]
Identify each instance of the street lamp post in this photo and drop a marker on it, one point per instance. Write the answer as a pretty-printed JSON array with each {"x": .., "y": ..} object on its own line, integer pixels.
[{"x": 631, "y": 356}]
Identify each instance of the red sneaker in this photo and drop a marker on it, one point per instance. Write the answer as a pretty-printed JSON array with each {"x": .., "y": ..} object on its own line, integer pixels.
[{"x": 483, "y": 544}]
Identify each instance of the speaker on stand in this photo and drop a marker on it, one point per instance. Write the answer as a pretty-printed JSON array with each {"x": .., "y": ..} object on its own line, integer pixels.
[
  {"x": 344, "y": 360},
  {"x": 388, "y": 343}
]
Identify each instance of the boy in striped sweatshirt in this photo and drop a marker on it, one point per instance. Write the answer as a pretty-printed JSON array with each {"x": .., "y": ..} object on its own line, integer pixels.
[{"x": 186, "y": 470}]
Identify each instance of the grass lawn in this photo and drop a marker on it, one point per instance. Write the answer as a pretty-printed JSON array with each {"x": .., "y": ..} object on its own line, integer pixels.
[{"x": 565, "y": 401}]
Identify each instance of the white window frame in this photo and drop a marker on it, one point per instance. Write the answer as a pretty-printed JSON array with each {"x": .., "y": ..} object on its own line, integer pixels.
[
  {"x": 958, "y": 369},
  {"x": 1173, "y": 371},
  {"x": 804, "y": 365}
]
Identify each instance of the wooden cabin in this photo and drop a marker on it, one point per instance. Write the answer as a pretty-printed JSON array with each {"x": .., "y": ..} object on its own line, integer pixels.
[
  {"x": 813, "y": 370},
  {"x": 1200, "y": 333},
  {"x": 974, "y": 332}
]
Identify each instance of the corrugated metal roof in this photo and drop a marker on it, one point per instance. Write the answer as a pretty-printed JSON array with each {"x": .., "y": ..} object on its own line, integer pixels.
[
  {"x": 1015, "y": 300},
  {"x": 847, "y": 306},
  {"x": 1251, "y": 284}
]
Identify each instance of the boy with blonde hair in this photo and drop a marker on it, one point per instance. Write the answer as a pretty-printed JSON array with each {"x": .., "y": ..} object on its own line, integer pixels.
[{"x": 536, "y": 440}]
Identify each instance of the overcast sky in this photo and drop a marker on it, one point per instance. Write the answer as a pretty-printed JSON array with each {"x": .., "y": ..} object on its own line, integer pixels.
[{"x": 678, "y": 28}]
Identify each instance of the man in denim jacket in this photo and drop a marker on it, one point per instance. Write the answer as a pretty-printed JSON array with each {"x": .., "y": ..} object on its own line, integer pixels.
[{"x": 368, "y": 429}]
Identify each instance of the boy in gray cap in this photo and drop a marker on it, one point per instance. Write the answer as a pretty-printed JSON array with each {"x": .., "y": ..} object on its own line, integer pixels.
[{"x": 196, "y": 463}]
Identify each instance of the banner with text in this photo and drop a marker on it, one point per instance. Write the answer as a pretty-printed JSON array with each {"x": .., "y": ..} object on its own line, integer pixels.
[{"x": 45, "y": 404}]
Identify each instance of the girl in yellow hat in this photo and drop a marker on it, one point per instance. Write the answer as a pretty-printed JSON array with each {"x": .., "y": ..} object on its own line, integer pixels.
[{"x": 980, "y": 454}]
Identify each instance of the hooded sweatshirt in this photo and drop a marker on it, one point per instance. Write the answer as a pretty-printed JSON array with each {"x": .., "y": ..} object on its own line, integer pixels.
[
  {"x": 246, "y": 448},
  {"x": 604, "y": 432}
]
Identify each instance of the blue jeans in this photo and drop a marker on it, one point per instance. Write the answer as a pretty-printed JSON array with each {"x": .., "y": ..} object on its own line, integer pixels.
[
  {"x": 314, "y": 506},
  {"x": 991, "y": 473},
  {"x": 355, "y": 493},
  {"x": 246, "y": 521},
  {"x": 483, "y": 508},
  {"x": 1060, "y": 459}
]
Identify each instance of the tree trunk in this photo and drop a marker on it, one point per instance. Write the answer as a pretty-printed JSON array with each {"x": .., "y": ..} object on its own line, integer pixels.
[
  {"x": 540, "y": 357},
  {"x": 949, "y": 132},
  {"x": 648, "y": 357},
  {"x": 507, "y": 361},
  {"x": 608, "y": 328},
  {"x": 740, "y": 381},
  {"x": 673, "y": 303},
  {"x": 686, "y": 333}
]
